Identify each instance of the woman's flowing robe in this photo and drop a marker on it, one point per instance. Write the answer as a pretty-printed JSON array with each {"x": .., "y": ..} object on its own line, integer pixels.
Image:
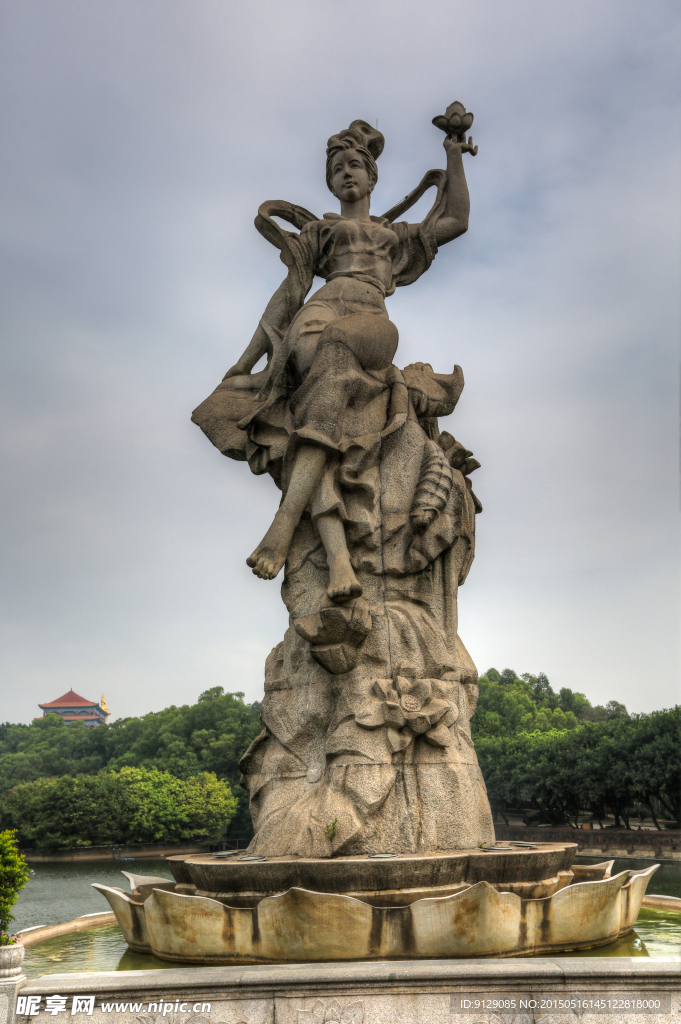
[{"x": 332, "y": 746}]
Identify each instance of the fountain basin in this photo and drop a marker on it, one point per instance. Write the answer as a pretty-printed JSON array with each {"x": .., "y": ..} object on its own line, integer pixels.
[{"x": 301, "y": 925}]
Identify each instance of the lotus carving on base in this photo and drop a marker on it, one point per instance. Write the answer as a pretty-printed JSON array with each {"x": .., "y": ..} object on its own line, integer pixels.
[{"x": 408, "y": 708}]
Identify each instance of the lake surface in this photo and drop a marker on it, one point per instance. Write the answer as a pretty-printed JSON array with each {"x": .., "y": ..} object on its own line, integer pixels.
[
  {"x": 61, "y": 892},
  {"x": 665, "y": 882}
]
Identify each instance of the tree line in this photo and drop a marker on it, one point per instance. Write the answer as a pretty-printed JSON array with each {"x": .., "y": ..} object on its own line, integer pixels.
[
  {"x": 66, "y": 785},
  {"x": 557, "y": 755},
  {"x": 133, "y": 805},
  {"x": 509, "y": 704},
  {"x": 174, "y": 774}
]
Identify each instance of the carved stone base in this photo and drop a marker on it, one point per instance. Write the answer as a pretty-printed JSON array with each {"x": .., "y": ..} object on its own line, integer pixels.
[
  {"x": 382, "y": 880},
  {"x": 301, "y": 925},
  {"x": 411, "y": 992}
]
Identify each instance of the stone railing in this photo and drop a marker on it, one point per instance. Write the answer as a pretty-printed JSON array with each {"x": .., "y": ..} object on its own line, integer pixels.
[
  {"x": 116, "y": 852},
  {"x": 483, "y": 991},
  {"x": 609, "y": 842}
]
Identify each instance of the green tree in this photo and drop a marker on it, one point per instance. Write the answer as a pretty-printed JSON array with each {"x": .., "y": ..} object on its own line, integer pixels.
[
  {"x": 542, "y": 691},
  {"x": 653, "y": 743},
  {"x": 614, "y": 709},
  {"x": 509, "y": 704},
  {"x": 48, "y": 746},
  {"x": 503, "y": 707},
  {"x": 13, "y": 878},
  {"x": 133, "y": 805},
  {"x": 560, "y": 772},
  {"x": 527, "y": 770},
  {"x": 210, "y": 735}
]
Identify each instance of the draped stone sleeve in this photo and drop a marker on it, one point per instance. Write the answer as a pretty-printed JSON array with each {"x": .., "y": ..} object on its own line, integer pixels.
[
  {"x": 226, "y": 414},
  {"x": 300, "y": 253},
  {"x": 414, "y": 255},
  {"x": 417, "y": 242}
]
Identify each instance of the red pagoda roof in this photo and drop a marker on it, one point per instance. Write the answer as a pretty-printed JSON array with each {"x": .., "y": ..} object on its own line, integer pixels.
[{"x": 70, "y": 700}]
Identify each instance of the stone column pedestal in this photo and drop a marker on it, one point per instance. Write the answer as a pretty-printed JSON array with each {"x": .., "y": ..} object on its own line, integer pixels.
[{"x": 11, "y": 980}]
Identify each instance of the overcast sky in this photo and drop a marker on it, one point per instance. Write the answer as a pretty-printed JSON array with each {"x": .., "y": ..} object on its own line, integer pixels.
[{"x": 139, "y": 139}]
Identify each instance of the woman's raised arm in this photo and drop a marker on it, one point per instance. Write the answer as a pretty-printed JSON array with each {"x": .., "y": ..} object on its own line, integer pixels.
[{"x": 455, "y": 219}]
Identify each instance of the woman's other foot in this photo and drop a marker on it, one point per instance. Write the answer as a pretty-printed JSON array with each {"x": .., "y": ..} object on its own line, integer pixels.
[{"x": 343, "y": 584}]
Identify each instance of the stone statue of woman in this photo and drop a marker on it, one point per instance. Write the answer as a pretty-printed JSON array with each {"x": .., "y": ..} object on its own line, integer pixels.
[{"x": 366, "y": 737}]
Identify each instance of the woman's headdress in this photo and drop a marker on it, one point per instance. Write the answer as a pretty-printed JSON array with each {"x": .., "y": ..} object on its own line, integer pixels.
[{"x": 360, "y": 136}]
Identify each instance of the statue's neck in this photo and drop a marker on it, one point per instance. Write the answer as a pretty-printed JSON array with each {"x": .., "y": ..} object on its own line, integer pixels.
[{"x": 356, "y": 211}]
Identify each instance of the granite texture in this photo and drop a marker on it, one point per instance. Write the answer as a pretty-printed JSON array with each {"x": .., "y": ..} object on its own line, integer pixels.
[
  {"x": 366, "y": 743},
  {"x": 531, "y": 873},
  {"x": 11, "y": 980},
  {"x": 417, "y": 992},
  {"x": 302, "y": 925}
]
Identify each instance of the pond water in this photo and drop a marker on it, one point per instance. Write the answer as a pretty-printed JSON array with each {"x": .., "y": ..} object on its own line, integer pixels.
[
  {"x": 61, "y": 892},
  {"x": 665, "y": 882}
]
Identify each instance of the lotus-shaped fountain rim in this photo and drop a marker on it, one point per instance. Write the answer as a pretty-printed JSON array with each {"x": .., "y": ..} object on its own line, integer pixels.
[{"x": 165, "y": 925}]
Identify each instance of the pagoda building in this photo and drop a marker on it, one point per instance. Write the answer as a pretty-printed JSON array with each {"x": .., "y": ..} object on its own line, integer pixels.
[{"x": 74, "y": 708}]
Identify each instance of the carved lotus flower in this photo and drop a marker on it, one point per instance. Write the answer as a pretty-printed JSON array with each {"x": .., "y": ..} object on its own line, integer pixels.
[
  {"x": 455, "y": 120},
  {"x": 408, "y": 709},
  {"x": 332, "y": 1013}
]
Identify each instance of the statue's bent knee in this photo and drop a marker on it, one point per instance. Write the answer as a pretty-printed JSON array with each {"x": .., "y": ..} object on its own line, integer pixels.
[{"x": 371, "y": 337}]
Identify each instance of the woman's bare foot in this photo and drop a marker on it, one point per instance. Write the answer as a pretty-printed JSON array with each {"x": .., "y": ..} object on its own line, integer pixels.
[
  {"x": 270, "y": 554},
  {"x": 343, "y": 584}
]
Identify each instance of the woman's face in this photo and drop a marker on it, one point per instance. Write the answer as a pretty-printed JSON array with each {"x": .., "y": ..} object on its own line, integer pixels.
[{"x": 349, "y": 176}]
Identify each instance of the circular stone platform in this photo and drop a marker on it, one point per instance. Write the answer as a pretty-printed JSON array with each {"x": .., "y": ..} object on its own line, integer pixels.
[{"x": 381, "y": 881}]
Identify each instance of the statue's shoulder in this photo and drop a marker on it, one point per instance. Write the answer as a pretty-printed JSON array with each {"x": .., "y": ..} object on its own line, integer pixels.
[{"x": 297, "y": 216}]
